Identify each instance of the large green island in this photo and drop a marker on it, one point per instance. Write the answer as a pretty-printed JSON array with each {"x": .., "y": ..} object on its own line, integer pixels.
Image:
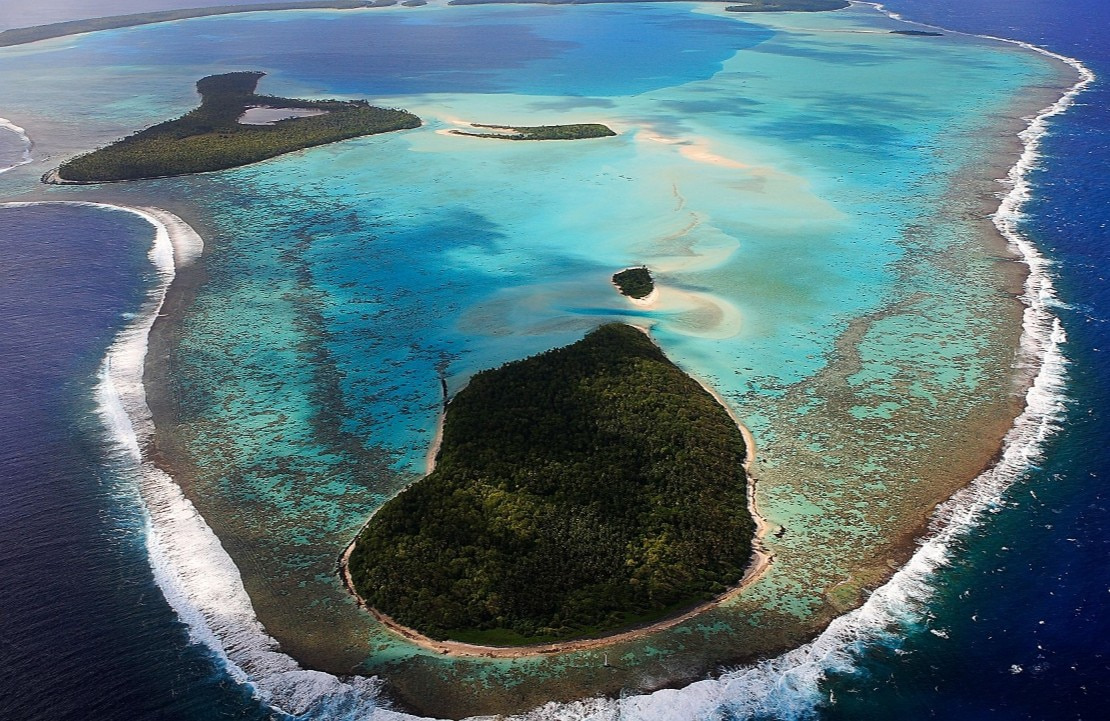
[
  {"x": 213, "y": 137},
  {"x": 586, "y": 489}
]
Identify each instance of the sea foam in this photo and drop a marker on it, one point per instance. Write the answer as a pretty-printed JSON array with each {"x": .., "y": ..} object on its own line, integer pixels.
[
  {"x": 28, "y": 145},
  {"x": 195, "y": 573},
  {"x": 203, "y": 585},
  {"x": 789, "y": 686}
]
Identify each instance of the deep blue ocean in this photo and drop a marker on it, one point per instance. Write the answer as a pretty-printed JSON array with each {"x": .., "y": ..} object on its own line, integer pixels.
[
  {"x": 1025, "y": 610},
  {"x": 1019, "y": 627}
]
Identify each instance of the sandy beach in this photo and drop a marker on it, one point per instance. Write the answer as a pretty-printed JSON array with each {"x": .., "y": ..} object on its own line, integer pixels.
[
  {"x": 761, "y": 561},
  {"x": 972, "y": 450}
]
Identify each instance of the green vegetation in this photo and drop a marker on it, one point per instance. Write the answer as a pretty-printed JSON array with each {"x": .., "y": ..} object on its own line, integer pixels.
[
  {"x": 777, "y": 6},
  {"x": 561, "y": 2},
  {"x": 634, "y": 282},
  {"x": 542, "y": 132},
  {"x": 211, "y": 138},
  {"x": 579, "y": 491}
]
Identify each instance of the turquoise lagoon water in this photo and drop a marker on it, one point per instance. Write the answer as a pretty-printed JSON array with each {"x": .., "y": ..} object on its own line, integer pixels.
[{"x": 808, "y": 189}]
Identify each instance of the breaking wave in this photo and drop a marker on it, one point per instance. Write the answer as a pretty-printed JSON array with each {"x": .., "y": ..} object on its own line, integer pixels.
[
  {"x": 194, "y": 572},
  {"x": 24, "y": 139},
  {"x": 202, "y": 584},
  {"x": 789, "y": 686}
]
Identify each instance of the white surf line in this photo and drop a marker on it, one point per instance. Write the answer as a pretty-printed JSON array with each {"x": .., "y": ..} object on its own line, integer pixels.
[
  {"x": 788, "y": 686},
  {"x": 194, "y": 572},
  {"x": 1086, "y": 75},
  {"x": 785, "y": 687},
  {"x": 28, "y": 144}
]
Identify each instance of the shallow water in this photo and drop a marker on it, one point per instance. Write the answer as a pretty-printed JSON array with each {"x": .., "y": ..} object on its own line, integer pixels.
[{"x": 781, "y": 211}]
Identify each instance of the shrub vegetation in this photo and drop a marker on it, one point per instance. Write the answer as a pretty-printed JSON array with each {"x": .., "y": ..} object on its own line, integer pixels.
[
  {"x": 576, "y": 492},
  {"x": 634, "y": 282},
  {"x": 542, "y": 132},
  {"x": 211, "y": 138},
  {"x": 775, "y": 6}
]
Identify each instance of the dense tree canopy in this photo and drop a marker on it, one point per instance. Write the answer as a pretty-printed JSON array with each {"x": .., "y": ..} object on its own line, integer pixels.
[
  {"x": 634, "y": 282},
  {"x": 576, "y": 131},
  {"x": 576, "y": 492},
  {"x": 775, "y": 6},
  {"x": 211, "y": 138}
]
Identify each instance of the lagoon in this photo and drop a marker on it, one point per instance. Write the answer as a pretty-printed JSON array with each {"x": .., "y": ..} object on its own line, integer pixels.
[{"x": 815, "y": 216}]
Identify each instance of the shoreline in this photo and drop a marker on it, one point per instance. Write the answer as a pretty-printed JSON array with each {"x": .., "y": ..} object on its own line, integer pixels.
[
  {"x": 1022, "y": 445},
  {"x": 830, "y": 629},
  {"x": 219, "y": 608},
  {"x": 28, "y": 146},
  {"x": 437, "y": 439},
  {"x": 648, "y": 302},
  {"x": 1031, "y": 374},
  {"x": 761, "y": 561}
]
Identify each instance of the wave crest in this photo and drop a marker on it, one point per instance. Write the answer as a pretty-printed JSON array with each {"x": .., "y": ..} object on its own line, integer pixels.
[
  {"x": 202, "y": 584},
  {"x": 28, "y": 145},
  {"x": 194, "y": 572}
]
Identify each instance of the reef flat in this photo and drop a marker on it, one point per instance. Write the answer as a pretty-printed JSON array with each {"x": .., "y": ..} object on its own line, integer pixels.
[{"x": 827, "y": 266}]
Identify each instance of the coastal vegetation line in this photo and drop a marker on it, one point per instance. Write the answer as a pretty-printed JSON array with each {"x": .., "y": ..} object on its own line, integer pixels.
[
  {"x": 212, "y": 138},
  {"x": 775, "y": 6},
  {"x": 634, "y": 282},
  {"x": 750, "y": 6},
  {"x": 584, "y": 490},
  {"x": 576, "y": 131}
]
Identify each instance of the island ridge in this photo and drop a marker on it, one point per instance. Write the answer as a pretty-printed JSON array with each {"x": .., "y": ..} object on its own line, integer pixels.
[
  {"x": 586, "y": 489},
  {"x": 212, "y": 137}
]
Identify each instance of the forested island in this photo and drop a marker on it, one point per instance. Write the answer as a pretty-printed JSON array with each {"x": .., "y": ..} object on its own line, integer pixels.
[
  {"x": 778, "y": 6},
  {"x": 577, "y": 131},
  {"x": 583, "y": 490},
  {"x": 212, "y": 138},
  {"x": 634, "y": 282}
]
